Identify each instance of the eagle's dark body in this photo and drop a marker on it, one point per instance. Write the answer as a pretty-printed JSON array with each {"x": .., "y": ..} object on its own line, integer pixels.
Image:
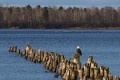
[{"x": 79, "y": 51}]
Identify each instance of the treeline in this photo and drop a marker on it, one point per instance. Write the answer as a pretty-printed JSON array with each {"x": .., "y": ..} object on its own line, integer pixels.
[{"x": 59, "y": 17}]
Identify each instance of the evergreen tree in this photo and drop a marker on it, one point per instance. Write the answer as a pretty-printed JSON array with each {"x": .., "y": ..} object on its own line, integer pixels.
[{"x": 45, "y": 14}]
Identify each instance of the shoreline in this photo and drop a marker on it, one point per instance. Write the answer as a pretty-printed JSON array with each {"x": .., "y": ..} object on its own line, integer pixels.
[
  {"x": 104, "y": 28},
  {"x": 71, "y": 28}
]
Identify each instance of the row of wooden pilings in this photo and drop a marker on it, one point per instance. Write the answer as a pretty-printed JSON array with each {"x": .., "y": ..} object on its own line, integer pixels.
[{"x": 67, "y": 69}]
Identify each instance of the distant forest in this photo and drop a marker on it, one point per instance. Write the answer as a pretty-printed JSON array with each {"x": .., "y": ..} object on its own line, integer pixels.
[{"x": 59, "y": 17}]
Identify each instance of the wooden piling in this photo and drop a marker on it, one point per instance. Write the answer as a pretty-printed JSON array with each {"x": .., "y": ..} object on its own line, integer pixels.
[
  {"x": 116, "y": 78},
  {"x": 84, "y": 78},
  {"x": 93, "y": 64},
  {"x": 80, "y": 73},
  {"x": 110, "y": 77},
  {"x": 54, "y": 66},
  {"x": 21, "y": 54},
  {"x": 14, "y": 48},
  {"x": 106, "y": 72},
  {"x": 86, "y": 70},
  {"x": 91, "y": 73},
  {"x": 96, "y": 72},
  {"x": 9, "y": 49},
  {"x": 67, "y": 69},
  {"x": 18, "y": 51},
  {"x": 105, "y": 78},
  {"x": 90, "y": 59},
  {"x": 101, "y": 71},
  {"x": 25, "y": 55}
]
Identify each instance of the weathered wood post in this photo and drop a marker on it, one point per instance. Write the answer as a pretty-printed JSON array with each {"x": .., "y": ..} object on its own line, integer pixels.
[
  {"x": 72, "y": 74},
  {"x": 105, "y": 78},
  {"x": 26, "y": 55},
  {"x": 42, "y": 56},
  {"x": 28, "y": 48},
  {"x": 90, "y": 59},
  {"x": 14, "y": 48},
  {"x": 21, "y": 54},
  {"x": 86, "y": 70},
  {"x": 96, "y": 72},
  {"x": 116, "y": 78},
  {"x": 18, "y": 51},
  {"x": 10, "y": 49},
  {"x": 84, "y": 78},
  {"x": 106, "y": 72},
  {"x": 80, "y": 73},
  {"x": 51, "y": 65},
  {"x": 110, "y": 77},
  {"x": 31, "y": 55},
  {"x": 34, "y": 60},
  {"x": 39, "y": 56},
  {"x": 54, "y": 66},
  {"x": 63, "y": 68},
  {"x": 78, "y": 65},
  {"x": 91, "y": 73},
  {"x": 101, "y": 71},
  {"x": 93, "y": 64}
]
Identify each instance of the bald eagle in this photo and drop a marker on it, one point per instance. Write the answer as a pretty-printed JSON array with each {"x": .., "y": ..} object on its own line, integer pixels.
[{"x": 79, "y": 51}]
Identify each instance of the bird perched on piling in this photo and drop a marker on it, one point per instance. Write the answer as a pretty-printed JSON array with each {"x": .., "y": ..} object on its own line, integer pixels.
[
  {"x": 77, "y": 55},
  {"x": 79, "y": 51}
]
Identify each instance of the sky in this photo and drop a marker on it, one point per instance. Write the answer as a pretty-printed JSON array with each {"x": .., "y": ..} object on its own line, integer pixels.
[{"x": 64, "y": 3}]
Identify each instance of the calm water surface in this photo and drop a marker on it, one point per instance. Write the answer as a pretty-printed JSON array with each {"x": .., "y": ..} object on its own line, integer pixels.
[{"x": 103, "y": 45}]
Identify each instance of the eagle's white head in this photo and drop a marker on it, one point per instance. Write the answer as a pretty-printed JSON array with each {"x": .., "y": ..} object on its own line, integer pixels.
[{"x": 78, "y": 47}]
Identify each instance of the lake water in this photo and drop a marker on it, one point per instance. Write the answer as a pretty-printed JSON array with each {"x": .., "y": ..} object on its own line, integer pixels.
[{"x": 104, "y": 46}]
